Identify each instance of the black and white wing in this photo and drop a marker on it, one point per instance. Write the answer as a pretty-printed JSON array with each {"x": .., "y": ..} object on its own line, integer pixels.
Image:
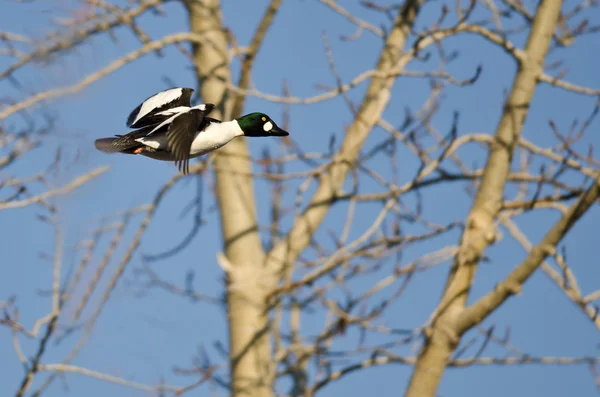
[
  {"x": 181, "y": 133},
  {"x": 160, "y": 107}
]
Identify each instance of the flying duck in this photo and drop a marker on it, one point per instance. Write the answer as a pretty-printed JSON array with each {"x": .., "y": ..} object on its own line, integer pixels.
[{"x": 169, "y": 129}]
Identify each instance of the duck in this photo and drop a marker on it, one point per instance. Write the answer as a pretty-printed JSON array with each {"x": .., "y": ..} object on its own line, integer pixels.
[{"x": 168, "y": 128}]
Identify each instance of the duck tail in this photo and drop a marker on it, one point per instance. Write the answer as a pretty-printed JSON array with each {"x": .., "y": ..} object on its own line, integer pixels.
[{"x": 118, "y": 144}]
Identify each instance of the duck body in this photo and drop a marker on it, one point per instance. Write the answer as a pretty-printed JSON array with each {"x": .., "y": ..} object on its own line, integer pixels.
[
  {"x": 214, "y": 135},
  {"x": 169, "y": 129}
]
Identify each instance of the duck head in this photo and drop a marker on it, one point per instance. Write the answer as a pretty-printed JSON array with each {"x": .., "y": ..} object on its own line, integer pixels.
[{"x": 259, "y": 124}]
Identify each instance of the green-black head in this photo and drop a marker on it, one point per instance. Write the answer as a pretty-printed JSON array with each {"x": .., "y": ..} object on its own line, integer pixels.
[{"x": 259, "y": 124}]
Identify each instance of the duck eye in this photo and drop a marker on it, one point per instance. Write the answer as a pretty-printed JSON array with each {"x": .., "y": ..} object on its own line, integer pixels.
[{"x": 264, "y": 118}]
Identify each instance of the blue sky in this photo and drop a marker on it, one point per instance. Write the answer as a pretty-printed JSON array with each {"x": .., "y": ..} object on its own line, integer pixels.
[{"x": 142, "y": 337}]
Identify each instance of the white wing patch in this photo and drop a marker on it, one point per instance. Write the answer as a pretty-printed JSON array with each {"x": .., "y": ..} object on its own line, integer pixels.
[
  {"x": 167, "y": 121},
  {"x": 268, "y": 126},
  {"x": 178, "y": 109},
  {"x": 157, "y": 101},
  {"x": 181, "y": 109}
]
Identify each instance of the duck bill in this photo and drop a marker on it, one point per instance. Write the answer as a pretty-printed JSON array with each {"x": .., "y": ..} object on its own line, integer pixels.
[{"x": 276, "y": 131}]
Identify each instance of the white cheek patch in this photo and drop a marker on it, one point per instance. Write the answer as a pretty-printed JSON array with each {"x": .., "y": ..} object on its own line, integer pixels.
[{"x": 268, "y": 126}]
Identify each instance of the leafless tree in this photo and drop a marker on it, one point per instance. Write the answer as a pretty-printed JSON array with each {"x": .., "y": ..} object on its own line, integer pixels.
[{"x": 279, "y": 270}]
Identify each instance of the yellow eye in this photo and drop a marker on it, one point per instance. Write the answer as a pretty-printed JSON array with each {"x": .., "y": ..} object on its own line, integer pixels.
[{"x": 264, "y": 119}]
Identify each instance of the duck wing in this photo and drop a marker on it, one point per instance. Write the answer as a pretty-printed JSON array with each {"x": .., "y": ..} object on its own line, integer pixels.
[
  {"x": 160, "y": 107},
  {"x": 181, "y": 133}
]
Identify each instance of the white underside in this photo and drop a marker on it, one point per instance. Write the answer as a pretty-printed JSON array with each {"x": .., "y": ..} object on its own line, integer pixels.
[{"x": 213, "y": 137}]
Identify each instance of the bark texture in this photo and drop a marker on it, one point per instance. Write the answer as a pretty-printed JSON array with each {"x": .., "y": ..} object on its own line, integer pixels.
[
  {"x": 250, "y": 353},
  {"x": 444, "y": 334}
]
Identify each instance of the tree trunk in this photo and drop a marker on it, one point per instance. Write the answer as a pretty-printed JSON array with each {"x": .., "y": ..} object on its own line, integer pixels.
[
  {"x": 443, "y": 337},
  {"x": 250, "y": 353}
]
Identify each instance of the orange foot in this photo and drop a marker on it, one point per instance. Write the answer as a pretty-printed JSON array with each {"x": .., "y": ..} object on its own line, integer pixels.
[{"x": 138, "y": 150}]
